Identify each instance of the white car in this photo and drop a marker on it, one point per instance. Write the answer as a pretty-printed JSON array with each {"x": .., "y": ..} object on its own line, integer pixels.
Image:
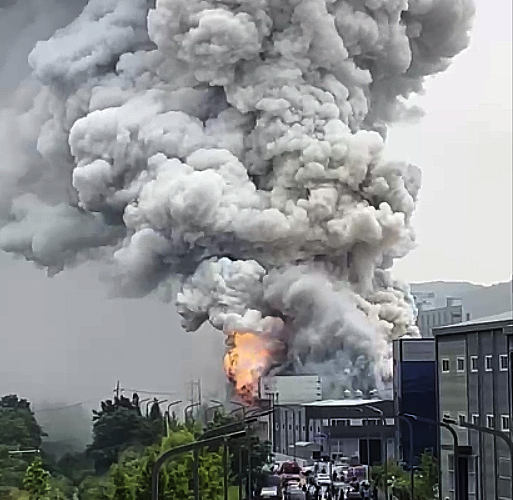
[
  {"x": 269, "y": 493},
  {"x": 323, "y": 479}
]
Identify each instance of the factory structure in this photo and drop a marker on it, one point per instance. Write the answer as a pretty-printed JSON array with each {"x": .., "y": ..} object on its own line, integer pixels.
[
  {"x": 461, "y": 377},
  {"x": 475, "y": 388}
]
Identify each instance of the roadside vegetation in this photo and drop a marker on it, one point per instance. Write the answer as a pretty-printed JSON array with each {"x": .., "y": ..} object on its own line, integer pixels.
[{"x": 117, "y": 464}]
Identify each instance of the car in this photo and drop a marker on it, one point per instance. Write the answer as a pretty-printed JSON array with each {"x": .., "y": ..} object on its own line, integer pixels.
[
  {"x": 269, "y": 493},
  {"x": 323, "y": 479},
  {"x": 294, "y": 492},
  {"x": 289, "y": 468}
]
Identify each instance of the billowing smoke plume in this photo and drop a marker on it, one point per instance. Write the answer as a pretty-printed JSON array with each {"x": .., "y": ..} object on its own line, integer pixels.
[{"x": 236, "y": 146}]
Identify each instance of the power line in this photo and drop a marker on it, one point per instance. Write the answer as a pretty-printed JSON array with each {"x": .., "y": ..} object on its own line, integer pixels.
[
  {"x": 150, "y": 392},
  {"x": 72, "y": 405}
]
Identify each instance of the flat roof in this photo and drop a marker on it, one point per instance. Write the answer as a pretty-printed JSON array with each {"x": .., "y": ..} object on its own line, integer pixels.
[
  {"x": 485, "y": 323},
  {"x": 344, "y": 402}
]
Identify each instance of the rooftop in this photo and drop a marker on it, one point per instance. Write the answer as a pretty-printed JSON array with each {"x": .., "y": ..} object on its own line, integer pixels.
[
  {"x": 486, "y": 323},
  {"x": 344, "y": 402}
]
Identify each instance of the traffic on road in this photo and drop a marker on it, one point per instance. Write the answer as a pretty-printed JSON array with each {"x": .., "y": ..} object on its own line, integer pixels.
[{"x": 317, "y": 481}]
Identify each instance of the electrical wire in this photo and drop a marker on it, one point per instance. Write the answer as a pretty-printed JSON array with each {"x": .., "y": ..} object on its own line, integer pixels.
[
  {"x": 122, "y": 389},
  {"x": 72, "y": 405}
]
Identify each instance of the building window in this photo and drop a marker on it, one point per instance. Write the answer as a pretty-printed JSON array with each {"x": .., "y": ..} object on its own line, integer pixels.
[
  {"x": 475, "y": 419},
  {"x": 473, "y": 364},
  {"x": 503, "y": 362},
  {"x": 446, "y": 367},
  {"x": 488, "y": 363},
  {"x": 450, "y": 462},
  {"x": 462, "y": 418},
  {"x": 460, "y": 364},
  {"x": 489, "y": 421},
  {"x": 342, "y": 422},
  {"x": 505, "y": 423}
]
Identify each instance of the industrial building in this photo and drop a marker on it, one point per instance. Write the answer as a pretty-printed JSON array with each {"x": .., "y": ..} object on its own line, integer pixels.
[
  {"x": 290, "y": 389},
  {"x": 475, "y": 361},
  {"x": 357, "y": 428},
  {"x": 430, "y": 317},
  {"x": 415, "y": 394},
  {"x": 336, "y": 428}
]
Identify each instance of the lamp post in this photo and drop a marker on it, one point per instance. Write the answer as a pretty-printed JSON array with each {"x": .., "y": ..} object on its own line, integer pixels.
[
  {"x": 187, "y": 408},
  {"x": 217, "y": 404},
  {"x": 445, "y": 425},
  {"x": 385, "y": 438},
  {"x": 168, "y": 414},
  {"x": 360, "y": 410},
  {"x": 155, "y": 402},
  {"x": 412, "y": 472},
  {"x": 141, "y": 401},
  {"x": 486, "y": 430}
]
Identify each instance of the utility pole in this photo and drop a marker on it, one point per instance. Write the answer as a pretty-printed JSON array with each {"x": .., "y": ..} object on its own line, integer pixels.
[
  {"x": 117, "y": 390},
  {"x": 195, "y": 384}
]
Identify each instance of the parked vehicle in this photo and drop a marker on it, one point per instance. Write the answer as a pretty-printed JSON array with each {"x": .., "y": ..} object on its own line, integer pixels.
[{"x": 269, "y": 493}]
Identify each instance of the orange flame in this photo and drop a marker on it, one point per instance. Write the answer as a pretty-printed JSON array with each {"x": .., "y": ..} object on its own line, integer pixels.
[{"x": 246, "y": 362}]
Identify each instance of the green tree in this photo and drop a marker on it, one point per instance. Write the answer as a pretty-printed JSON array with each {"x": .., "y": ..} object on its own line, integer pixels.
[
  {"x": 179, "y": 469},
  {"x": 37, "y": 480},
  {"x": 121, "y": 489},
  {"x": 76, "y": 467},
  {"x": 118, "y": 426},
  {"x": 94, "y": 488},
  {"x": 18, "y": 427},
  {"x": 426, "y": 479},
  {"x": 144, "y": 476},
  {"x": 211, "y": 474},
  {"x": 260, "y": 450}
]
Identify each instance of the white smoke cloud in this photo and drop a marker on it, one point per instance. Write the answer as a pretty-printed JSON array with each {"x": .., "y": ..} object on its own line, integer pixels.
[{"x": 239, "y": 146}]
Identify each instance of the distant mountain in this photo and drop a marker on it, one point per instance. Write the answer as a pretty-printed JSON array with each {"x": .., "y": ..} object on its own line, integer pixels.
[{"x": 478, "y": 300}]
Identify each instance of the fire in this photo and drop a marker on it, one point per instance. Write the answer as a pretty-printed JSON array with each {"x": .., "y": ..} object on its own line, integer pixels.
[{"x": 245, "y": 362}]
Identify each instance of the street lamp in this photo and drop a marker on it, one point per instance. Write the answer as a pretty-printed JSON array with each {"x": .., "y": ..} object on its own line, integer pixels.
[
  {"x": 486, "y": 430},
  {"x": 141, "y": 401},
  {"x": 385, "y": 438},
  {"x": 187, "y": 408},
  {"x": 217, "y": 404},
  {"x": 155, "y": 402},
  {"x": 410, "y": 429},
  {"x": 168, "y": 414},
  {"x": 454, "y": 435},
  {"x": 360, "y": 410}
]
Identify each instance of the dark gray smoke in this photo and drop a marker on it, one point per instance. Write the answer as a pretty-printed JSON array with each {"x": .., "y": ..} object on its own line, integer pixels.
[{"x": 236, "y": 147}]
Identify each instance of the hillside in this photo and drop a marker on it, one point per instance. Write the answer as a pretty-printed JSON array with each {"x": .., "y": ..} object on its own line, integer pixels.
[{"x": 478, "y": 300}]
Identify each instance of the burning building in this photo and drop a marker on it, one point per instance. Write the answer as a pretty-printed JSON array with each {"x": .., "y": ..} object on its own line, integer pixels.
[{"x": 236, "y": 148}]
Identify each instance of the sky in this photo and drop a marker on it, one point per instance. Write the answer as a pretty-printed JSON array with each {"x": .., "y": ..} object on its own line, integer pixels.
[
  {"x": 463, "y": 146},
  {"x": 63, "y": 340}
]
